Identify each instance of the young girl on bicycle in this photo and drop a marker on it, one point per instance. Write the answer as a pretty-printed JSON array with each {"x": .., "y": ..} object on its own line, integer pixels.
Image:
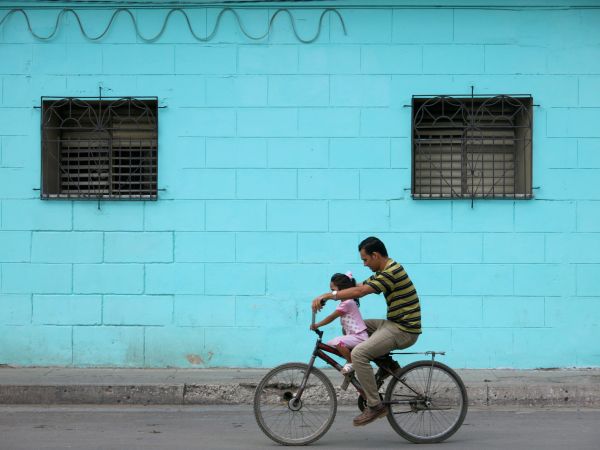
[{"x": 353, "y": 326}]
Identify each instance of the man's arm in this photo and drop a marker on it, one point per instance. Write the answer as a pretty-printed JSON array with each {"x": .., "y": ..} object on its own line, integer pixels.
[{"x": 345, "y": 294}]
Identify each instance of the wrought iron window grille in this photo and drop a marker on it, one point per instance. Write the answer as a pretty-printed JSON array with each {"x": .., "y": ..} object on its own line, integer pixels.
[
  {"x": 472, "y": 147},
  {"x": 103, "y": 148}
]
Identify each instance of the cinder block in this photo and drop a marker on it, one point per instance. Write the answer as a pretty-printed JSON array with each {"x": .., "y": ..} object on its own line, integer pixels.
[
  {"x": 340, "y": 248},
  {"x": 482, "y": 347},
  {"x": 204, "y": 184},
  {"x": 108, "y": 278},
  {"x": 137, "y": 309},
  {"x": 328, "y": 122},
  {"x": 174, "y": 215},
  {"x": 486, "y": 279},
  {"x": 205, "y": 59},
  {"x": 15, "y": 246},
  {"x": 431, "y": 279},
  {"x": 365, "y": 26},
  {"x": 73, "y": 59},
  {"x": 420, "y": 216},
  {"x": 236, "y": 152},
  {"x": 451, "y": 247},
  {"x": 550, "y": 352},
  {"x": 557, "y": 153},
  {"x": 138, "y": 59},
  {"x": 237, "y": 91},
  {"x": 299, "y": 280},
  {"x": 177, "y": 90},
  {"x": 589, "y": 92},
  {"x": 572, "y": 122},
  {"x": 150, "y": 22},
  {"x": 16, "y": 309},
  {"x": 177, "y": 278},
  {"x": 204, "y": 311},
  {"x": 325, "y": 59},
  {"x": 184, "y": 152},
  {"x": 588, "y": 153},
  {"x": 306, "y": 23},
  {"x": 552, "y": 280},
  {"x": 383, "y": 122},
  {"x": 328, "y": 184},
  {"x": 517, "y": 312},
  {"x": 229, "y": 30},
  {"x": 582, "y": 311},
  {"x": 235, "y": 279},
  {"x": 15, "y": 28},
  {"x": 587, "y": 279},
  {"x": 66, "y": 247},
  {"x": 108, "y": 216},
  {"x": 266, "y": 247},
  {"x": 436, "y": 339},
  {"x": 36, "y": 345},
  {"x": 513, "y": 248},
  {"x": 138, "y": 247},
  {"x": 297, "y": 215},
  {"x": 484, "y": 216},
  {"x": 258, "y": 311},
  {"x": 210, "y": 122},
  {"x": 20, "y": 151},
  {"x": 35, "y": 86},
  {"x": 494, "y": 27},
  {"x": 18, "y": 183},
  {"x": 361, "y": 90},
  {"x": 17, "y": 120},
  {"x": 580, "y": 59},
  {"x": 422, "y": 26},
  {"x": 392, "y": 59},
  {"x": 204, "y": 247},
  {"x": 548, "y": 216},
  {"x": 176, "y": 347},
  {"x": 298, "y": 152},
  {"x": 271, "y": 122},
  {"x": 573, "y": 248},
  {"x": 108, "y": 346},
  {"x": 268, "y": 59},
  {"x": 387, "y": 184},
  {"x": 515, "y": 59},
  {"x": 402, "y": 247},
  {"x": 298, "y": 90},
  {"x": 67, "y": 309},
  {"x": 25, "y": 278},
  {"x": 17, "y": 58},
  {"x": 459, "y": 59},
  {"x": 573, "y": 184},
  {"x": 95, "y": 21},
  {"x": 267, "y": 183},
  {"x": 359, "y": 215},
  {"x": 451, "y": 312},
  {"x": 236, "y": 215},
  {"x": 588, "y": 216},
  {"x": 359, "y": 153}
]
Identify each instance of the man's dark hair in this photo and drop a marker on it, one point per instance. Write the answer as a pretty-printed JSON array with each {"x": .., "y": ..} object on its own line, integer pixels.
[{"x": 372, "y": 245}]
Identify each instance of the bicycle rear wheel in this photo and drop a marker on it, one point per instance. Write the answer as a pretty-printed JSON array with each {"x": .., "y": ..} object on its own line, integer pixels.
[
  {"x": 426, "y": 417},
  {"x": 286, "y": 419}
]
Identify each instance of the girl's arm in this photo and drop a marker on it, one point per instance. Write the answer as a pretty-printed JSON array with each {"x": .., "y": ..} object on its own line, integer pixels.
[{"x": 330, "y": 318}]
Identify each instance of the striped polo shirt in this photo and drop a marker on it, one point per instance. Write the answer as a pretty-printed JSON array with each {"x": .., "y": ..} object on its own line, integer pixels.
[{"x": 403, "y": 306}]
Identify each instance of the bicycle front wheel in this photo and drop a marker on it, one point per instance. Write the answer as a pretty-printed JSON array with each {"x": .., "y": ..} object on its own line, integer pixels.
[
  {"x": 289, "y": 420},
  {"x": 426, "y": 416}
]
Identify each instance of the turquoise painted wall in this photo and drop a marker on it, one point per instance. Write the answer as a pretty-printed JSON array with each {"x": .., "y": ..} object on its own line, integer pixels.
[{"x": 276, "y": 159}]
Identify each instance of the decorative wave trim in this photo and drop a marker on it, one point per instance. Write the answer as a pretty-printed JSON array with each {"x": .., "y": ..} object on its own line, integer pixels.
[{"x": 172, "y": 11}]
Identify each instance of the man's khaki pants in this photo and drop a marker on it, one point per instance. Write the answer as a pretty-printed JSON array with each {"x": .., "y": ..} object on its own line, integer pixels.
[{"x": 384, "y": 336}]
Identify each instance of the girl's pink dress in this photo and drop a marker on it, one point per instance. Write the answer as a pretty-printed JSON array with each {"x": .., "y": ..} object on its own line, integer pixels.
[{"x": 353, "y": 325}]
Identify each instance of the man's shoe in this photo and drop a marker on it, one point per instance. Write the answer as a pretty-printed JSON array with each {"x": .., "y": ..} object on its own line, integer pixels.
[{"x": 370, "y": 414}]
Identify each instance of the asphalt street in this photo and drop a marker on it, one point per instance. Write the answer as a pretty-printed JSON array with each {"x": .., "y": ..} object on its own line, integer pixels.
[{"x": 234, "y": 427}]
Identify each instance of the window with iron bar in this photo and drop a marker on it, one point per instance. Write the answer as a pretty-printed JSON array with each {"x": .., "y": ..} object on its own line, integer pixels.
[
  {"x": 99, "y": 148},
  {"x": 472, "y": 147}
]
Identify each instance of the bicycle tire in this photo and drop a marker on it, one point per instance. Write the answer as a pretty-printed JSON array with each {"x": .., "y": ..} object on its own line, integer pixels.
[
  {"x": 316, "y": 412},
  {"x": 447, "y": 393}
]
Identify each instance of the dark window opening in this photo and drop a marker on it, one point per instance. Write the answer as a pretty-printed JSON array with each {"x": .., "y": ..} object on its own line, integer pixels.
[
  {"x": 99, "y": 148},
  {"x": 472, "y": 147}
]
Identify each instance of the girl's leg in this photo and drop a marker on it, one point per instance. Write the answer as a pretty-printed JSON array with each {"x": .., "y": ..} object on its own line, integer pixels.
[{"x": 344, "y": 351}]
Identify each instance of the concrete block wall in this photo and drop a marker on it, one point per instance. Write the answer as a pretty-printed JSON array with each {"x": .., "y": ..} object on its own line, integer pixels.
[{"x": 276, "y": 158}]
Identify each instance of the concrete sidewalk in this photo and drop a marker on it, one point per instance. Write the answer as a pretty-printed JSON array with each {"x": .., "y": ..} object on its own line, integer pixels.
[{"x": 486, "y": 387}]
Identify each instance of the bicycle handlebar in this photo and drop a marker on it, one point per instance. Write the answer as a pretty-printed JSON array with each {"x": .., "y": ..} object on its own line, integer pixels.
[{"x": 314, "y": 315}]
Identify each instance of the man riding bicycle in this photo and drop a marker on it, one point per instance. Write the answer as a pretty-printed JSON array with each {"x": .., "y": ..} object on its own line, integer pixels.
[{"x": 400, "y": 330}]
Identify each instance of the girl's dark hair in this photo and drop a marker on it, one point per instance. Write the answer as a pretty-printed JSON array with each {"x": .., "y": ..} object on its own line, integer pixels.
[{"x": 343, "y": 281}]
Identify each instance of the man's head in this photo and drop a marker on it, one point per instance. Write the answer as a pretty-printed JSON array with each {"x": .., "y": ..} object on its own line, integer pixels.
[{"x": 373, "y": 253}]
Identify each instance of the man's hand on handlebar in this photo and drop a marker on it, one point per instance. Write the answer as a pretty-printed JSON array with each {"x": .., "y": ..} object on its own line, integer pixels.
[
  {"x": 317, "y": 303},
  {"x": 314, "y": 327}
]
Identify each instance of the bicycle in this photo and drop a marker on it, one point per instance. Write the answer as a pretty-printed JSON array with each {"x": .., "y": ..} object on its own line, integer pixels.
[{"x": 295, "y": 403}]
